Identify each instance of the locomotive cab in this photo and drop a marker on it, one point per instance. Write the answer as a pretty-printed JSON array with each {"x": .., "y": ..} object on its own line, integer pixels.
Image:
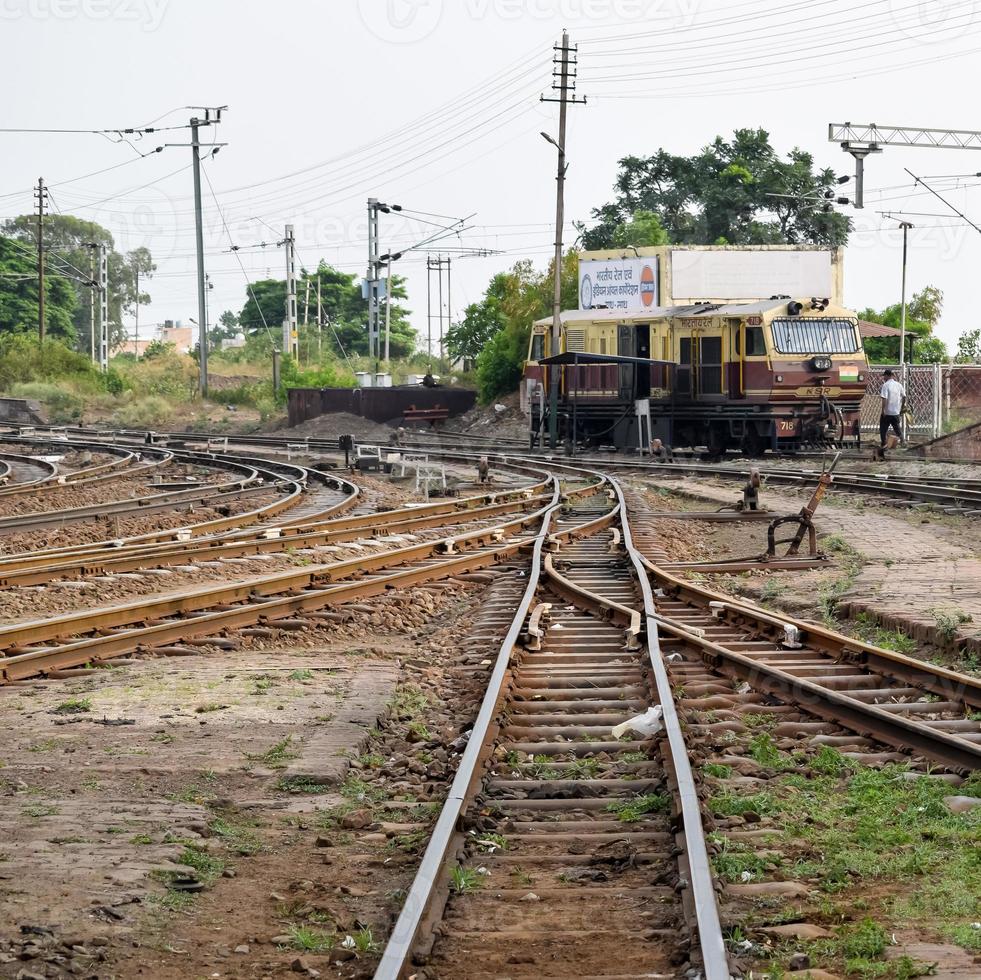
[{"x": 775, "y": 374}]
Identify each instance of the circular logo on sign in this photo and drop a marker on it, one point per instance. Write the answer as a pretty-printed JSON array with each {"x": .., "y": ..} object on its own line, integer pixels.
[
  {"x": 647, "y": 286},
  {"x": 586, "y": 293}
]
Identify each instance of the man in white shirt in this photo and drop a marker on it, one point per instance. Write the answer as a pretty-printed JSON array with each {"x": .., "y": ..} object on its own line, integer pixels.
[{"x": 893, "y": 403}]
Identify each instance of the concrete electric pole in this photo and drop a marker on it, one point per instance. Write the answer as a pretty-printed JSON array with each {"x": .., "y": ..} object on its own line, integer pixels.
[
  {"x": 291, "y": 342},
  {"x": 212, "y": 116},
  {"x": 565, "y": 87},
  {"x": 42, "y": 197},
  {"x": 104, "y": 307}
]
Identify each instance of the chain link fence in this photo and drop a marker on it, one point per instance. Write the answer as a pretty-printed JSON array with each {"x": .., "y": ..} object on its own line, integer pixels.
[
  {"x": 941, "y": 397},
  {"x": 923, "y": 386}
]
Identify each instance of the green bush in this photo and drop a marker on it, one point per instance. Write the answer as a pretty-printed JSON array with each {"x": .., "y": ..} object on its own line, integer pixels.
[
  {"x": 166, "y": 373},
  {"x": 499, "y": 365},
  {"x": 23, "y": 359},
  {"x": 147, "y": 412},
  {"x": 61, "y": 406}
]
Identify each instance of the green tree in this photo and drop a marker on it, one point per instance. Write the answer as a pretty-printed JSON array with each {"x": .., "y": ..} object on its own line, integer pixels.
[
  {"x": 642, "y": 229},
  {"x": 922, "y": 312},
  {"x": 735, "y": 192},
  {"x": 522, "y": 296},
  {"x": 481, "y": 321},
  {"x": 345, "y": 311},
  {"x": 969, "y": 347},
  {"x": 66, "y": 241},
  {"x": 19, "y": 295}
]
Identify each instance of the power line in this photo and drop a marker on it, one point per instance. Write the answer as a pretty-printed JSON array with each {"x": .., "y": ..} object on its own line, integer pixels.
[{"x": 959, "y": 213}]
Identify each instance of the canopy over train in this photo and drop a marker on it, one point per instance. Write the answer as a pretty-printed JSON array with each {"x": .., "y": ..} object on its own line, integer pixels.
[{"x": 780, "y": 373}]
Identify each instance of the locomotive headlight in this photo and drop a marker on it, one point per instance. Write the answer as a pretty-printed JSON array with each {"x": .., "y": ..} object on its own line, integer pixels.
[
  {"x": 779, "y": 378},
  {"x": 861, "y": 377},
  {"x": 821, "y": 363}
]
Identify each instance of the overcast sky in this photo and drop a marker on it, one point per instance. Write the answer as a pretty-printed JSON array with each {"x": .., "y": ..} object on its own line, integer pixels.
[{"x": 434, "y": 104}]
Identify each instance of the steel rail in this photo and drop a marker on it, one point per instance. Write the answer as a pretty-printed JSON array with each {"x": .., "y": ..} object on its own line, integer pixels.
[
  {"x": 291, "y": 534},
  {"x": 383, "y": 524},
  {"x": 872, "y": 720},
  {"x": 701, "y": 879},
  {"x": 398, "y": 950},
  {"x": 483, "y": 548},
  {"x": 68, "y": 557},
  {"x": 16, "y": 458},
  {"x": 130, "y": 465},
  {"x": 16, "y": 636}
]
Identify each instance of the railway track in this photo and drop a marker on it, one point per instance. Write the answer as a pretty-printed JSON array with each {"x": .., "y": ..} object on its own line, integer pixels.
[
  {"x": 961, "y": 496},
  {"x": 193, "y": 615},
  {"x": 561, "y": 850}
]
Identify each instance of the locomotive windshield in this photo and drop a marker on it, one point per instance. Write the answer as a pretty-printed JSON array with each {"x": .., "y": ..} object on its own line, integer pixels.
[{"x": 815, "y": 335}]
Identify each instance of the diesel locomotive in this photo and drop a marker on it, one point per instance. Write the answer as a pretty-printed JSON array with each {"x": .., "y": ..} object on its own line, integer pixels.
[{"x": 778, "y": 374}]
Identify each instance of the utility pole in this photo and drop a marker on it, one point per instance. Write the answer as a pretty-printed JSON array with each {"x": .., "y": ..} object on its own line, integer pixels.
[
  {"x": 42, "y": 196},
  {"x": 290, "y": 337},
  {"x": 374, "y": 264},
  {"x": 212, "y": 116},
  {"x": 136, "y": 324},
  {"x": 429, "y": 307},
  {"x": 388, "y": 309},
  {"x": 320, "y": 321},
  {"x": 93, "y": 285},
  {"x": 905, "y": 225},
  {"x": 199, "y": 242},
  {"x": 439, "y": 259},
  {"x": 104, "y": 307},
  {"x": 566, "y": 88},
  {"x": 372, "y": 276}
]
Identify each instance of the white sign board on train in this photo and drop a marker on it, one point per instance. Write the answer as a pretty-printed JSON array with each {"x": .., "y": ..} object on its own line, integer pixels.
[
  {"x": 630, "y": 284},
  {"x": 749, "y": 275}
]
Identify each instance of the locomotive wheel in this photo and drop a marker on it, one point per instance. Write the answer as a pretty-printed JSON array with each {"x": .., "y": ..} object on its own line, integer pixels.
[{"x": 717, "y": 441}]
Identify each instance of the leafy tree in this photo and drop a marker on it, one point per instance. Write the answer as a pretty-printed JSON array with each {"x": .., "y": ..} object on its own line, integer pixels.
[
  {"x": 521, "y": 296},
  {"x": 345, "y": 311},
  {"x": 19, "y": 295},
  {"x": 969, "y": 347},
  {"x": 642, "y": 229},
  {"x": 481, "y": 321},
  {"x": 922, "y": 312},
  {"x": 733, "y": 192},
  {"x": 65, "y": 238}
]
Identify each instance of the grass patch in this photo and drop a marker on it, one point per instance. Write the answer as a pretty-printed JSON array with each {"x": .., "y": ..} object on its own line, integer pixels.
[
  {"x": 299, "y": 784},
  {"x": 737, "y": 863},
  {"x": 74, "y": 706},
  {"x": 868, "y": 630},
  {"x": 764, "y": 750},
  {"x": 731, "y": 804},
  {"x": 237, "y": 837},
  {"x": 464, "y": 880},
  {"x": 301, "y": 675},
  {"x": 630, "y": 811},
  {"x": 277, "y": 756},
  {"x": 831, "y": 592},
  {"x": 717, "y": 770},
  {"x": 311, "y": 940}
]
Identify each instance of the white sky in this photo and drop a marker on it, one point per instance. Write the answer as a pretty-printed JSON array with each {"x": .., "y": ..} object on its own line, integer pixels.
[{"x": 434, "y": 104}]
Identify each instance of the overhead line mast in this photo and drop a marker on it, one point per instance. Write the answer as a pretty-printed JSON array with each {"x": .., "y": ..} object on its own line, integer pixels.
[{"x": 565, "y": 86}]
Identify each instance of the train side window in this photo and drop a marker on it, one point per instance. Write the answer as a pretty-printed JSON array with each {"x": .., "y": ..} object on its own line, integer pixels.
[
  {"x": 602, "y": 349},
  {"x": 537, "y": 347},
  {"x": 755, "y": 343}
]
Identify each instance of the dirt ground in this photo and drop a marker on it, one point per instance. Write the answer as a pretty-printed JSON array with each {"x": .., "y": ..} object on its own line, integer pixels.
[{"x": 215, "y": 815}]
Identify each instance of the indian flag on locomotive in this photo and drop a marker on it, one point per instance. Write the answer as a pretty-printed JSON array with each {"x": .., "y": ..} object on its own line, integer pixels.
[{"x": 848, "y": 372}]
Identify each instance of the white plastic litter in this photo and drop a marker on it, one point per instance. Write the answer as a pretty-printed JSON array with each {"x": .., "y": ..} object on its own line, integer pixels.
[
  {"x": 649, "y": 723},
  {"x": 743, "y": 688},
  {"x": 672, "y": 657}
]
